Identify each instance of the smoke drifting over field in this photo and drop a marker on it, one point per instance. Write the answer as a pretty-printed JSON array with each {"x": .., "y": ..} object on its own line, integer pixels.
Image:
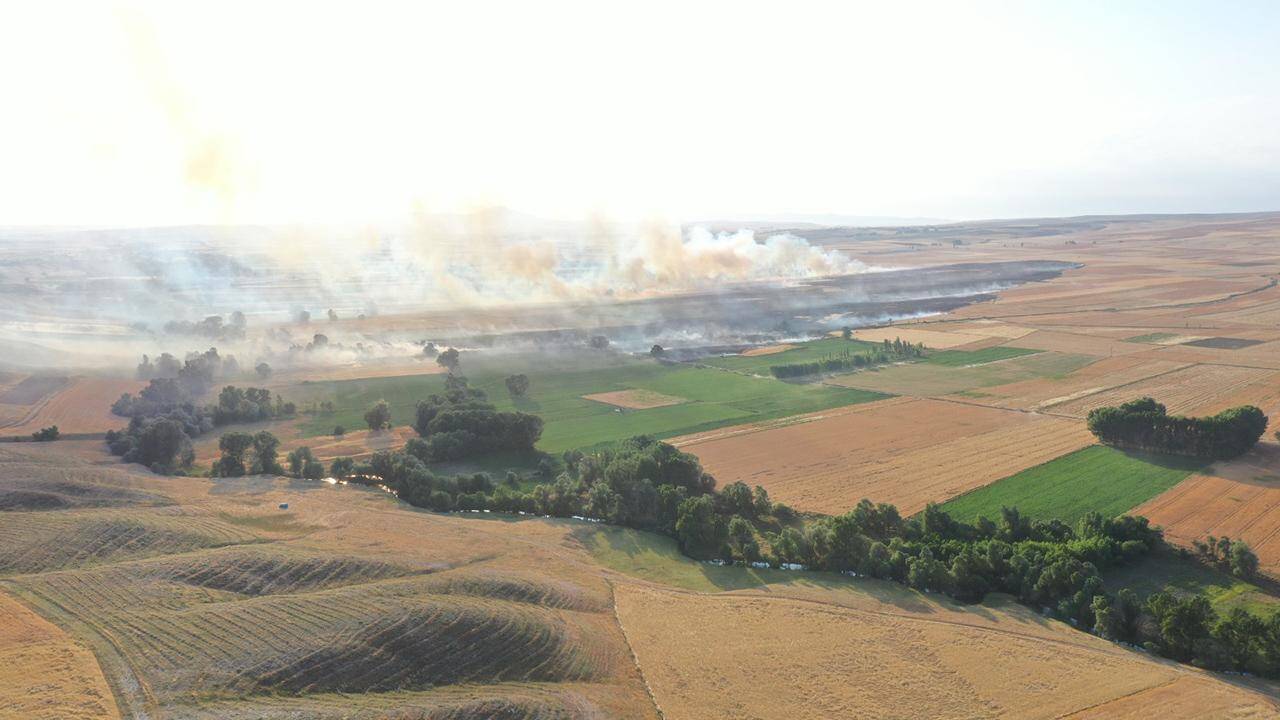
[{"x": 305, "y": 297}]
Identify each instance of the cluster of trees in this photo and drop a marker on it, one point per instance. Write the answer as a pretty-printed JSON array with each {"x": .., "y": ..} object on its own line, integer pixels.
[
  {"x": 847, "y": 360},
  {"x": 1144, "y": 424},
  {"x": 48, "y": 434},
  {"x": 1235, "y": 557},
  {"x": 247, "y": 454},
  {"x": 213, "y": 327},
  {"x": 196, "y": 374},
  {"x": 463, "y": 423},
  {"x": 1188, "y": 629},
  {"x": 164, "y": 417}
]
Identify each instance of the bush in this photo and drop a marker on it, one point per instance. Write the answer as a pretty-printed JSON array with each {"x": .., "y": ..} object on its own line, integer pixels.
[{"x": 48, "y": 434}]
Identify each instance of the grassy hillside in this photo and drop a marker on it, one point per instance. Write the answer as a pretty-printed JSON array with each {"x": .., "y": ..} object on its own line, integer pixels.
[
  {"x": 1095, "y": 478},
  {"x": 711, "y": 398}
]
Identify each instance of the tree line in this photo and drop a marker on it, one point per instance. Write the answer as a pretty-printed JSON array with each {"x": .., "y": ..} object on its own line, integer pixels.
[
  {"x": 847, "y": 360},
  {"x": 1144, "y": 424}
]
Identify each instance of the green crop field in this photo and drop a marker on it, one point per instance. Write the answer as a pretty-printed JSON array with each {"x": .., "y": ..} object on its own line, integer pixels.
[
  {"x": 802, "y": 353},
  {"x": 712, "y": 398},
  {"x": 935, "y": 379},
  {"x": 961, "y": 358},
  {"x": 1095, "y": 478}
]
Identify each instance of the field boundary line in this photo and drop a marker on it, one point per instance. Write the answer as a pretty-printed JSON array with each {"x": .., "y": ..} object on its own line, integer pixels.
[
  {"x": 1124, "y": 385},
  {"x": 635, "y": 659},
  {"x": 1156, "y": 686}
]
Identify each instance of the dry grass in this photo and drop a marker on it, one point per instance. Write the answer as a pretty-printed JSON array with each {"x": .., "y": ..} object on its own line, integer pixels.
[
  {"x": 220, "y": 604},
  {"x": 934, "y": 339},
  {"x": 635, "y": 399},
  {"x": 83, "y": 405},
  {"x": 1182, "y": 391},
  {"x": 846, "y": 653},
  {"x": 44, "y": 673},
  {"x": 767, "y": 350}
]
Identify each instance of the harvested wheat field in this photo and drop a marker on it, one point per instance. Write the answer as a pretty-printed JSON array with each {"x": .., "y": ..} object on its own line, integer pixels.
[
  {"x": 44, "y": 673},
  {"x": 1237, "y": 499},
  {"x": 766, "y": 350},
  {"x": 1093, "y": 378},
  {"x": 886, "y": 653},
  {"x": 1078, "y": 343},
  {"x": 635, "y": 399},
  {"x": 78, "y": 405},
  {"x": 905, "y": 452},
  {"x": 935, "y": 339},
  {"x": 220, "y": 603},
  {"x": 1182, "y": 391}
]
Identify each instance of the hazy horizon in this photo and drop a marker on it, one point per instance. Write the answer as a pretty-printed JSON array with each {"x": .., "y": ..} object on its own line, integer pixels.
[{"x": 144, "y": 114}]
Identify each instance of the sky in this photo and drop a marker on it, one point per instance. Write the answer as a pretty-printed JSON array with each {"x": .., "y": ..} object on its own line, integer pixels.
[{"x": 282, "y": 112}]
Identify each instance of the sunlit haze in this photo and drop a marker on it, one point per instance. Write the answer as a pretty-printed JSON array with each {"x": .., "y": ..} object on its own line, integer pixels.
[{"x": 172, "y": 113}]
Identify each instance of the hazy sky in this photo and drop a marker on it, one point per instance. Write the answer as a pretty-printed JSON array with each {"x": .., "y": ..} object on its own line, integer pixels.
[{"x": 280, "y": 112}]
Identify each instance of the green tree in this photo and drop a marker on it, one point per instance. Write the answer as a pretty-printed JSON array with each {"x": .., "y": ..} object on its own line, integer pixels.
[
  {"x": 265, "y": 454},
  {"x": 763, "y": 506},
  {"x": 517, "y": 385},
  {"x": 342, "y": 467},
  {"x": 1244, "y": 563},
  {"x": 378, "y": 417},
  {"x": 448, "y": 359},
  {"x": 233, "y": 445},
  {"x": 699, "y": 528},
  {"x": 46, "y": 434}
]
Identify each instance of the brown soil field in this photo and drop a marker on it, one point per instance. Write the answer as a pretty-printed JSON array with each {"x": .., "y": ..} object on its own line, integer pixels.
[
  {"x": 744, "y": 656},
  {"x": 767, "y": 350},
  {"x": 1182, "y": 391},
  {"x": 83, "y": 406},
  {"x": 44, "y": 673},
  {"x": 635, "y": 399},
  {"x": 904, "y": 452},
  {"x": 1238, "y": 499}
]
